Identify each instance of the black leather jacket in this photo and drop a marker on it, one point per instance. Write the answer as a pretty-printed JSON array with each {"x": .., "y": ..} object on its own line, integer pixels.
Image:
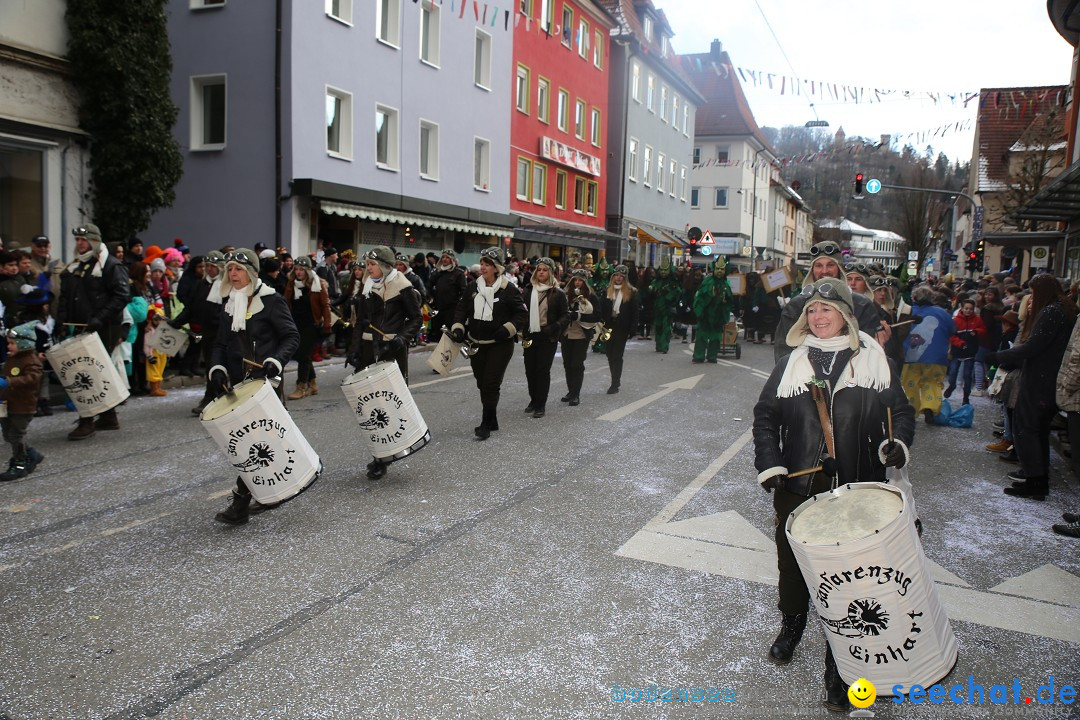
[
  {"x": 627, "y": 321},
  {"x": 558, "y": 314},
  {"x": 270, "y": 334},
  {"x": 398, "y": 314},
  {"x": 446, "y": 288},
  {"x": 788, "y": 434},
  {"x": 507, "y": 312},
  {"x": 98, "y": 302}
]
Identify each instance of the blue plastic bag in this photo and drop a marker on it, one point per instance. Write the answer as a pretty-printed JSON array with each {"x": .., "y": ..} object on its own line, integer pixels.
[{"x": 961, "y": 417}]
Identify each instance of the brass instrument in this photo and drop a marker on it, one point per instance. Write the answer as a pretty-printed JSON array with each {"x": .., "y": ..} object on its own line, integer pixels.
[
  {"x": 605, "y": 335},
  {"x": 526, "y": 342},
  {"x": 468, "y": 349}
]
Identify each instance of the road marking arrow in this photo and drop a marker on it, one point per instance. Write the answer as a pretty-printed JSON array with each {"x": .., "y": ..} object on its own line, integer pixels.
[{"x": 686, "y": 384}]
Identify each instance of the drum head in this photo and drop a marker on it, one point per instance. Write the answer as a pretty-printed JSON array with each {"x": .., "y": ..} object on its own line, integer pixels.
[
  {"x": 230, "y": 401},
  {"x": 846, "y": 514},
  {"x": 370, "y": 371}
]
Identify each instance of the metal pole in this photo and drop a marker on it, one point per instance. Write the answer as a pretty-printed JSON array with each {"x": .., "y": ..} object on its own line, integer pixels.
[{"x": 753, "y": 215}]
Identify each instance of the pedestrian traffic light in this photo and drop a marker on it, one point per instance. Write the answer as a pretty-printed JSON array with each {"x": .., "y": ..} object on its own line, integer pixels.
[
  {"x": 973, "y": 261},
  {"x": 858, "y": 183},
  {"x": 693, "y": 249}
]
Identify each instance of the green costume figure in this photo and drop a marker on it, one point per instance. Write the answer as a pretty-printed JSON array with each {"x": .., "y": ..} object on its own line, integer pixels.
[
  {"x": 712, "y": 305},
  {"x": 665, "y": 291},
  {"x": 601, "y": 278}
]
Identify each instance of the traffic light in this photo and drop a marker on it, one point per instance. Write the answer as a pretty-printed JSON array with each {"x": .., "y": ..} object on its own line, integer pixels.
[
  {"x": 693, "y": 246},
  {"x": 692, "y": 236},
  {"x": 858, "y": 183},
  {"x": 973, "y": 261}
]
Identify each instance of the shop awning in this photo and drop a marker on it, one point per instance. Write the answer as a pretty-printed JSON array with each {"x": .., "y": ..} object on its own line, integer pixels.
[
  {"x": 1058, "y": 201},
  {"x": 1024, "y": 239},
  {"x": 673, "y": 241},
  {"x": 364, "y": 212},
  {"x": 535, "y": 228},
  {"x": 653, "y": 235}
]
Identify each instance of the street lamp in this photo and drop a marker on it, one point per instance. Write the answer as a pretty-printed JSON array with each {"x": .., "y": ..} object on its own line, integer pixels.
[{"x": 753, "y": 216}]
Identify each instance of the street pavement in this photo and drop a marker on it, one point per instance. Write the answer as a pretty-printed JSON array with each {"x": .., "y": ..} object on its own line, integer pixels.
[{"x": 616, "y": 545}]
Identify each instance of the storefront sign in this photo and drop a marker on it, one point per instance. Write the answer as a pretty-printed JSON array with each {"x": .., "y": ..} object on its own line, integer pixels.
[{"x": 571, "y": 157}]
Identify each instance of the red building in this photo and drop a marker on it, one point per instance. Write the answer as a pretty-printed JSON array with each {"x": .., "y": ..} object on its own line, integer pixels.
[{"x": 558, "y": 126}]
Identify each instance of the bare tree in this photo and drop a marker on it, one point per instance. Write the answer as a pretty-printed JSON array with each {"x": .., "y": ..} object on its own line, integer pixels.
[
  {"x": 1034, "y": 160},
  {"x": 917, "y": 212}
]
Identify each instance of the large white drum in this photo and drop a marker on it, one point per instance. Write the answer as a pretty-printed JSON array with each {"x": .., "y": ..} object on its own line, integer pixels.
[
  {"x": 861, "y": 557},
  {"x": 389, "y": 420},
  {"x": 262, "y": 442},
  {"x": 88, "y": 374},
  {"x": 168, "y": 340}
]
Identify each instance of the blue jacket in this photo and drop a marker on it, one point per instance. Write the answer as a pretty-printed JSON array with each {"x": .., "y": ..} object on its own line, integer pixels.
[{"x": 928, "y": 341}]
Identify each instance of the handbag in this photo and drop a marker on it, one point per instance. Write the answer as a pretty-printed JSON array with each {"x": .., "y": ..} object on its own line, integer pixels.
[
  {"x": 442, "y": 358},
  {"x": 997, "y": 384}
]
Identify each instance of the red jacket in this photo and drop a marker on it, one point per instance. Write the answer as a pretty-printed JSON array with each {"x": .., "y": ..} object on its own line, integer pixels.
[{"x": 969, "y": 331}]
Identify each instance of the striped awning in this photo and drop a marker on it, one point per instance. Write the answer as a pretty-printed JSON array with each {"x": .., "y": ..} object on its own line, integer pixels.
[{"x": 365, "y": 212}]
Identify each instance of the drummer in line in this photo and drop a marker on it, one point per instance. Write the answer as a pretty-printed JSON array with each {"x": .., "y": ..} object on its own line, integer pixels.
[
  {"x": 256, "y": 338},
  {"x": 387, "y": 312},
  {"x": 829, "y": 352}
]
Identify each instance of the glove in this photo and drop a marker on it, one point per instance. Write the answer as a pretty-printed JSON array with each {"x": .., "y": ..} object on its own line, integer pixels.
[
  {"x": 502, "y": 334},
  {"x": 573, "y": 315},
  {"x": 218, "y": 378},
  {"x": 457, "y": 335},
  {"x": 776, "y": 481},
  {"x": 353, "y": 360},
  {"x": 397, "y": 344},
  {"x": 270, "y": 369},
  {"x": 93, "y": 326},
  {"x": 174, "y": 324},
  {"x": 894, "y": 455}
]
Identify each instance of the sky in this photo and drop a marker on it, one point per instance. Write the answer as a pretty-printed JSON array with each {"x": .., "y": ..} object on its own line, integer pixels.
[{"x": 924, "y": 46}]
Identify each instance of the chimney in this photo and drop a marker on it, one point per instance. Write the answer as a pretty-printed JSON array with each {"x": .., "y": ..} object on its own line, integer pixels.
[{"x": 716, "y": 49}]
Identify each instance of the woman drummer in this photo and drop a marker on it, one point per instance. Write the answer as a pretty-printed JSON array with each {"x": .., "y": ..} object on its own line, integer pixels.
[
  {"x": 256, "y": 338},
  {"x": 387, "y": 312},
  {"x": 620, "y": 316},
  {"x": 309, "y": 302},
  {"x": 491, "y": 313},
  {"x": 840, "y": 373},
  {"x": 548, "y": 318},
  {"x": 584, "y": 311}
]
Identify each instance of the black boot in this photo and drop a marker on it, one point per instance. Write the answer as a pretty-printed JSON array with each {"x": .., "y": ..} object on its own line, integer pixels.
[
  {"x": 835, "y": 698},
  {"x": 566, "y": 397},
  {"x": 1035, "y": 488},
  {"x": 791, "y": 630},
  {"x": 376, "y": 469},
  {"x": 493, "y": 420},
  {"x": 16, "y": 470},
  {"x": 43, "y": 408},
  {"x": 84, "y": 430},
  {"x": 237, "y": 512},
  {"x": 483, "y": 430}
]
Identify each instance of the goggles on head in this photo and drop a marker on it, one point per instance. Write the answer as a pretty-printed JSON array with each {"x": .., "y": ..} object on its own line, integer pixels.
[
  {"x": 825, "y": 248},
  {"x": 825, "y": 290},
  {"x": 859, "y": 267},
  {"x": 240, "y": 256}
]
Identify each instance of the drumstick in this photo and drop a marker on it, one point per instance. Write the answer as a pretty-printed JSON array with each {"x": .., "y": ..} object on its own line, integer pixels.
[
  {"x": 377, "y": 330},
  {"x": 76, "y": 325},
  {"x": 252, "y": 363},
  {"x": 811, "y": 471},
  {"x": 905, "y": 322}
]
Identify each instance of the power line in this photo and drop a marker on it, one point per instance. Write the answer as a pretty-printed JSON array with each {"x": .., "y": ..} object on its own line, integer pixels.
[{"x": 782, "y": 52}]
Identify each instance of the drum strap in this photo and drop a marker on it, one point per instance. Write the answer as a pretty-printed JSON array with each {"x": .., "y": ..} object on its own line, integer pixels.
[{"x": 823, "y": 415}]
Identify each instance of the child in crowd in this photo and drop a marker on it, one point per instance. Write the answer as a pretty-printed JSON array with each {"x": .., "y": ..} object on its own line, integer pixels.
[
  {"x": 155, "y": 360},
  {"x": 19, "y": 382}
]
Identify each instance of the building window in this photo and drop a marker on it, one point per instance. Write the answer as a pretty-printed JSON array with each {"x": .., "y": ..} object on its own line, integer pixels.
[
  {"x": 521, "y": 188},
  {"x": 722, "y": 154},
  {"x": 543, "y": 99},
  {"x": 481, "y": 164},
  {"x": 685, "y": 118},
  {"x": 579, "y": 195},
  {"x": 595, "y": 134},
  {"x": 646, "y": 167},
  {"x": 388, "y": 21},
  {"x": 482, "y": 60},
  {"x": 660, "y": 172},
  {"x": 663, "y": 103},
  {"x": 648, "y": 28},
  {"x": 579, "y": 119},
  {"x": 527, "y": 8},
  {"x": 672, "y": 167},
  {"x": 539, "y": 183},
  {"x": 635, "y": 82},
  {"x": 560, "y": 189},
  {"x": 337, "y": 9},
  {"x": 650, "y": 87},
  {"x": 674, "y": 111},
  {"x": 697, "y": 156},
  {"x": 338, "y": 123},
  {"x": 663, "y": 46},
  {"x": 23, "y": 189},
  {"x": 430, "y": 21},
  {"x": 583, "y": 38},
  {"x": 590, "y": 201},
  {"x": 208, "y": 112},
  {"x": 547, "y": 13},
  {"x": 598, "y": 50},
  {"x": 386, "y": 137},
  {"x": 563, "y": 110},
  {"x": 567, "y": 25},
  {"x": 631, "y": 162},
  {"x": 201, "y": 4},
  {"x": 682, "y": 183},
  {"x": 695, "y": 197},
  {"x": 521, "y": 92},
  {"x": 429, "y": 150}
]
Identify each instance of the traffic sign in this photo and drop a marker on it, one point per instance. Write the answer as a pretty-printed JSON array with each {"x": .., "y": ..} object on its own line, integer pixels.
[
  {"x": 913, "y": 255},
  {"x": 706, "y": 250},
  {"x": 873, "y": 185},
  {"x": 706, "y": 239}
]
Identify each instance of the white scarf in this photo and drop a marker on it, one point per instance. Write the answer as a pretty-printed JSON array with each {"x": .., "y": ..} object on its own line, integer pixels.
[
  {"x": 378, "y": 285},
  {"x": 534, "y": 304},
  {"x": 237, "y": 306},
  {"x": 484, "y": 301},
  {"x": 102, "y": 253},
  {"x": 868, "y": 367},
  {"x": 618, "y": 300},
  {"x": 215, "y": 290}
]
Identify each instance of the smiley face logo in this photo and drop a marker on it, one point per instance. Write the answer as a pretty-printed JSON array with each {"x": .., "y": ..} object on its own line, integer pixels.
[{"x": 862, "y": 693}]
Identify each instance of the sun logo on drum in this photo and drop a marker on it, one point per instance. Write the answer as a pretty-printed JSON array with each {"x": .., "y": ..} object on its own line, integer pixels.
[
  {"x": 378, "y": 419},
  {"x": 81, "y": 381},
  {"x": 865, "y": 616},
  {"x": 260, "y": 455}
]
